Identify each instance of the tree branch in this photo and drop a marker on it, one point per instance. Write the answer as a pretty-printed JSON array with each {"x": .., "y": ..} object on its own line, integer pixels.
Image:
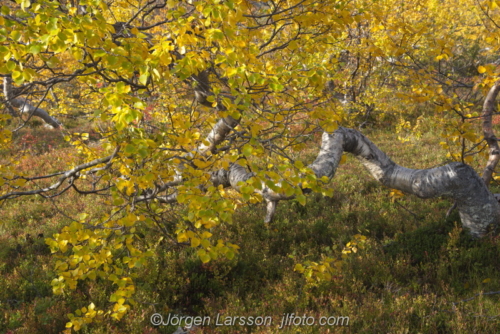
[
  {"x": 25, "y": 106},
  {"x": 72, "y": 173}
]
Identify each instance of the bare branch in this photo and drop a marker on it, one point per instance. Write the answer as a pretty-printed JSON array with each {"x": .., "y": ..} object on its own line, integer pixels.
[{"x": 72, "y": 173}]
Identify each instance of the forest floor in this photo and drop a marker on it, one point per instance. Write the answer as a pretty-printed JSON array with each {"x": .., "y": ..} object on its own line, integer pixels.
[{"x": 418, "y": 271}]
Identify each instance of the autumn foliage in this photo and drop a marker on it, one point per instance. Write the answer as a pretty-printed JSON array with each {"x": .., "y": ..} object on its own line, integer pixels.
[{"x": 150, "y": 80}]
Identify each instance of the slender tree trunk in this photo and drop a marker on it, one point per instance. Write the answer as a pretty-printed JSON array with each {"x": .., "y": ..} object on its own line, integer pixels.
[
  {"x": 489, "y": 136},
  {"x": 224, "y": 126}
]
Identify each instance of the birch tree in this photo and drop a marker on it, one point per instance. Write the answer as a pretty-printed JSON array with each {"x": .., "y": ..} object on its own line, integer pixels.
[{"x": 204, "y": 105}]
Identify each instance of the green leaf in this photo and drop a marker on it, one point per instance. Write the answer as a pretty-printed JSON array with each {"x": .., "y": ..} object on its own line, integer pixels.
[
  {"x": 5, "y": 10},
  {"x": 10, "y": 65},
  {"x": 53, "y": 62},
  {"x": 276, "y": 87},
  {"x": 301, "y": 199},
  {"x": 15, "y": 35},
  {"x": 130, "y": 149},
  {"x": 35, "y": 49},
  {"x": 100, "y": 53},
  {"x": 112, "y": 60},
  {"x": 247, "y": 150},
  {"x": 52, "y": 26},
  {"x": 143, "y": 152}
]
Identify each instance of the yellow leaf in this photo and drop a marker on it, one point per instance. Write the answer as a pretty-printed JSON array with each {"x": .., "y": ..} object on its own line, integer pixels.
[
  {"x": 195, "y": 242},
  {"x": 299, "y": 268},
  {"x": 231, "y": 72},
  {"x": 206, "y": 235},
  {"x": 204, "y": 257},
  {"x": 182, "y": 237},
  {"x": 395, "y": 194},
  {"x": 481, "y": 69}
]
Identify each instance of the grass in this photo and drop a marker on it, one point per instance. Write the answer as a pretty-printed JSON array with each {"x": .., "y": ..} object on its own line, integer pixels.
[{"x": 419, "y": 271}]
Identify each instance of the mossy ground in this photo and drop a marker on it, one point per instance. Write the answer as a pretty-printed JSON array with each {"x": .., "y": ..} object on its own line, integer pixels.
[{"x": 419, "y": 271}]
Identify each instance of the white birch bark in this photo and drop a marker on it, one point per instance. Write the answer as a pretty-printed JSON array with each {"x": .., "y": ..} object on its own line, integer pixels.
[{"x": 478, "y": 208}]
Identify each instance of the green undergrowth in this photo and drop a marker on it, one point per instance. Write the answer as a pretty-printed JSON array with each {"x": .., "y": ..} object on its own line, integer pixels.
[{"x": 419, "y": 272}]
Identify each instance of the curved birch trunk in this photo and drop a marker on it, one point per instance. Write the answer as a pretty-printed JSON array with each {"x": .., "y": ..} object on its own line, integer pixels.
[{"x": 477, "y": 206}]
